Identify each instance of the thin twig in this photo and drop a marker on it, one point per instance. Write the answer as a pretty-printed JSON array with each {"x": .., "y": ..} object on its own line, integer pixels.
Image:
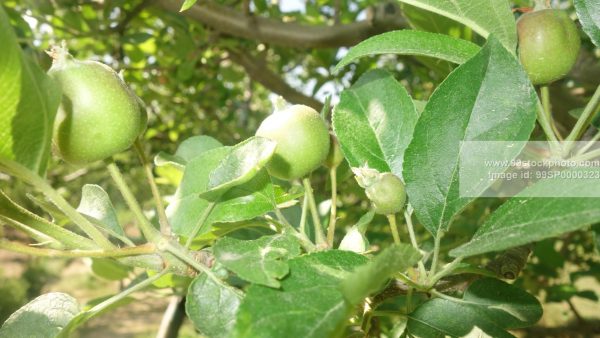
[
  {"x": 436, "y": 252},
  {"x": 165, "y": 227},
  {"x": 333, "y": 211},
  {"x": 45, "y": 252},
  {"x": 413, "y": 238},
  {"x": 586, "y": 117},
  {"x": 319, "y": 235},
  {"x": 394, "y": 227},
  {"x": 200, "y": 223},
  {"x": 545, "y": 93},
  {"x": 147, "y": 228},
  {"x": 304, "y": 214},
  {"x": 301, "y": 236},
  {"x": 88, "y": 314}
]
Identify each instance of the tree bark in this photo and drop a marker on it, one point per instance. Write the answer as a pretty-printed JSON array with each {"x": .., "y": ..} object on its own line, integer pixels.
[
  {"x": 385, "y": 17},
  {"x": 260, "y": 73}
]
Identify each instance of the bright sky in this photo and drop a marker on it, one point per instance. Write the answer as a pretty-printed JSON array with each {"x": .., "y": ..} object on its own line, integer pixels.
[{"x": 292, "y": 5}]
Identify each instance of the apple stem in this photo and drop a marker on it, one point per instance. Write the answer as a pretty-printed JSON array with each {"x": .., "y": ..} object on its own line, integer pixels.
[{"x": 541, "y": 4}]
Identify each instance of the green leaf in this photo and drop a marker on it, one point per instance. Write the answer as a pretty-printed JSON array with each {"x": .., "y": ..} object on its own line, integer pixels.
[
  {"x": 40, "y": 228},
  {"x": 484, "y": 16},
  {"x": 95, "y": 203},
  {"x": 509, "y": 306},
  {"x": 588, "y": 12},
  {"x": 399, "y": 328},
  {"x": 523, "y": 220},
  {"x": 242, "y": 163},
  {"x": 309, "y": 303},
  {"x": 187, "y": 151},
  {"x": 110, "y": 269},
  {"x": 43, "y": 317},
  {"x": 470, "y": 105},
  {"x": 212, "y": 307},
  {"x": 427, "y": 21},
  {"x": 170, "y": 281},
  {"x": 488, "y": 304},
  {"x": 187, "y": 4},
  {"x": 261, "y": 261},
  {"x": 411, "y": 42},
  {"x": 372, "y": 276},
  {"x": 257, "y": 226},
  {"x": 287, "y": 198},
  {"x": 243, "y": 202},
  {"x": 197, "y": 171},
  {"x": 440, "y": 318},
  {"x": 374, "y": 122},
  {"x": 563, "y": 292},
  {"x": 28, "y": 104}
]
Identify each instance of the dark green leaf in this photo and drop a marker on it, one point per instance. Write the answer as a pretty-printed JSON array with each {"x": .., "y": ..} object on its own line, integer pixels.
[
  {"x": 488, "y": 304},
  {"x": 309, "y": 304},
  {"x": 470, "y": 105},
  {"x": 374, "y": 122},
  {"x": 509, "y": 306},
  {"x": 411, "y": 42},
  {"x": 440, "y": 318}
]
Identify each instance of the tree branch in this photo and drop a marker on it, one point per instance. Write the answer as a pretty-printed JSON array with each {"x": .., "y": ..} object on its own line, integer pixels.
[
  {"x": 260, "y": 73},
  {"x": 130, "y": 15},
  {"x": 385, "y": 17}
]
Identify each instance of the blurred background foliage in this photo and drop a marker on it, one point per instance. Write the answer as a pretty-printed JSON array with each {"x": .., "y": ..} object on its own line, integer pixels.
[{"x": 216, "y": 69}]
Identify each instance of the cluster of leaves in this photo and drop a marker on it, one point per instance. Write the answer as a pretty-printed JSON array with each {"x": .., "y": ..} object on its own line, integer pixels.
[{"x": 267, "y": 276}]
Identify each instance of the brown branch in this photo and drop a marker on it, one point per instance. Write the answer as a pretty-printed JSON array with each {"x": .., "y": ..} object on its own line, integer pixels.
[
  {"x": 229, "y": 21},
  {"x": 260, "y": 73},
  {"x": 580, "y": 319}
]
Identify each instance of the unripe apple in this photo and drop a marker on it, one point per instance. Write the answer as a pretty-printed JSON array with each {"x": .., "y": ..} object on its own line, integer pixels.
[
  {"x": 548, "y": 44},
  {"x": 99, "y": 115},
  {"x": 302, "y": 141}
]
